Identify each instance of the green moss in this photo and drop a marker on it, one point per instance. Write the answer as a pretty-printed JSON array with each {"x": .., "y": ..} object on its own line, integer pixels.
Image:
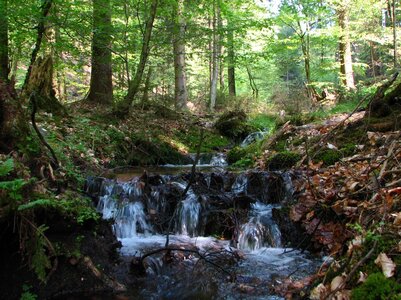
[
  {"x": 243, "y": 157},
  {"x": 328, "y": 156},
  {"x": 282, "y": 160},
  {"x": 233, "y": 124},
  {"x": 263, "y": 122},
  {"x": 280, "y": 145},
  {"x": 377, "y": 287},
  {"x": 235, "y": 154},
  {"x": 190, "y": 139}
]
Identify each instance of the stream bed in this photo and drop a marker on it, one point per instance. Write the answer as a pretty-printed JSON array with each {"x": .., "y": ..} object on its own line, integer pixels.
[{"x": 223, "y": 240}]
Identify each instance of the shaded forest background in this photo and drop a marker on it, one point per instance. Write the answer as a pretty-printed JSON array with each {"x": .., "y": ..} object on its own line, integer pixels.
[{"x": 198, "y": 54}]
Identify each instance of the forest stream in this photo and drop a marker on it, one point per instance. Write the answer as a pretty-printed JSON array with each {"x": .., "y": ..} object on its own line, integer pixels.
[{"x": 224, "y": 241}]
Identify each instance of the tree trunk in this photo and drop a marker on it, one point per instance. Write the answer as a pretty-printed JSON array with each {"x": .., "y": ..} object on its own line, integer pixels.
[
  {"x": 123, "y": 107},
  {"x": 384, "y": 104},
  {"x": 101, "y": 85},
  {"x": 40, "y": 80},
  {"x": 346, "y": 71},
  {"x": 181, "y": 94},
  {"x": 215, "y": 62},
  {"x": 4, "y": 64},
  {"x": 45, "y": 9},
  {"x": 231, "y": 62},
  {"x": 394, "y": 19}
]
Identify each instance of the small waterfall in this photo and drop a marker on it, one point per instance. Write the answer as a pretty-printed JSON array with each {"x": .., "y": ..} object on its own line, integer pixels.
[
  {"x": 130, "y": 220},
  {"x": 121, "y": 202},
  {"x": 240, "y": 184},
  {"x": 210, "y": 160},
  {"x": 260, "y": 231},
  {"x": 189, "y": 215},
  {"x": 253, "y": 137},
  {"x": 218, "y": 160}
]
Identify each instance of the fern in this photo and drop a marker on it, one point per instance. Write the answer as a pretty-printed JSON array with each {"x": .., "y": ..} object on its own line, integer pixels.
[
  {"x": 6, "y": 167},
  {"x": 40, "y": 261},
  {"x": 37, "y": 203}
]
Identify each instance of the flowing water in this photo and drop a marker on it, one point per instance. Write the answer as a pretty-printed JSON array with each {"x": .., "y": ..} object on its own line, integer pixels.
[{"x": 243, "y": 259}]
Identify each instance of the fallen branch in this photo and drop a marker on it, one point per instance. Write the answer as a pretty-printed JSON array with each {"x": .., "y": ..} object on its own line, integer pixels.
[{"x": 197, "y": 252}]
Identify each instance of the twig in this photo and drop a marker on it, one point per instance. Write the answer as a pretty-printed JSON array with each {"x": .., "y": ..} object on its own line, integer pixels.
[
  {"x": 32, "y": 98},
  {"x": 193, "y": 170},
  {"x": 202, "y": 256},
  {"x": 389, "y": 153}
]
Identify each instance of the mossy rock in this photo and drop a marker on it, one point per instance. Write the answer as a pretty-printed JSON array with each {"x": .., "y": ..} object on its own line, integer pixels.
[
  {"x": 235, "y": 154},
  {"x": 155, "y": 153},
  {"x": 282, "y": 160},
  {"x": 243, "y": 157},
  {"x": 377, "y": 286},
  {"x": 328, "y": 157},
  {"x": 233, "y": 124}
]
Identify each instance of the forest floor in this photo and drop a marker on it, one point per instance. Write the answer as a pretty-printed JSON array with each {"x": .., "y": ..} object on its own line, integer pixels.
[{"x": 348, "y": 194}]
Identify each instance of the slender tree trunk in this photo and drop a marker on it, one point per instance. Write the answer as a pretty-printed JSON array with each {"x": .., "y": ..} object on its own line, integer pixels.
[
  {"x": 145, "y": 97},
  {"x": 346, "y": 71},
  {"x": 220, "y": 51},
  {"x": 181, "y": 94},
  {"x": 394, "y": 33},
  {"x": 101, "y": 84},
  {"x": 215, "y": 56},
  {"x": 123, "y": 107},
  {"x": 14, "y": 63},
  {"x": 254, "y": 87},
  {"x": 4, "y": 63},
  {"x": 231, "y": 62}
]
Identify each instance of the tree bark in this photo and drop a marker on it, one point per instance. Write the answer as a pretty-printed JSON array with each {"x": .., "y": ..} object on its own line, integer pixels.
[
  {"x": 4, "y": 63},
  {"x": 101, "y": 85},
  {"x": 123, "y": 107},
  {"x": 45, "y": 9},
  {"x": 41, "y": 72},
  {"x": 215, "y": 62},
  {"x": 181, "y": 94},
  {"x": 346, "y": 71}
]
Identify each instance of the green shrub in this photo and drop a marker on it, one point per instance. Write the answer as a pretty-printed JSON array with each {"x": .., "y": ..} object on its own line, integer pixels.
[
  {"x": 377, "y": 287},
  {"x": 282, "y": 160}
]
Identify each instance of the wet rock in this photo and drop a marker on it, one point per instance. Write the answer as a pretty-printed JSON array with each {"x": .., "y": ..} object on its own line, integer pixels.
[{"x": 292, "y": 234}]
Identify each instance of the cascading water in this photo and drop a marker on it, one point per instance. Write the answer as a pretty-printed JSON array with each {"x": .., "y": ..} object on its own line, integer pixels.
[
  {"x": 142, "y": 209},
  {"x": 253, "y": 137},
  {"x": 188, "y": 215},
  {"x": 260, "y": 231}
]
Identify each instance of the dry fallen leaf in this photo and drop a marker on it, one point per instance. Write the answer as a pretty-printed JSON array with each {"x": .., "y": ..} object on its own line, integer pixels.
[
  {"x": 362, "y": 277},
  {"x": 387, "y": 265},
  {"x": 318, "y": 292},
  {"x": 397, "y": 220},
  {"x": 336, "y": 283},
  {"x": 342, "y": 295}
]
